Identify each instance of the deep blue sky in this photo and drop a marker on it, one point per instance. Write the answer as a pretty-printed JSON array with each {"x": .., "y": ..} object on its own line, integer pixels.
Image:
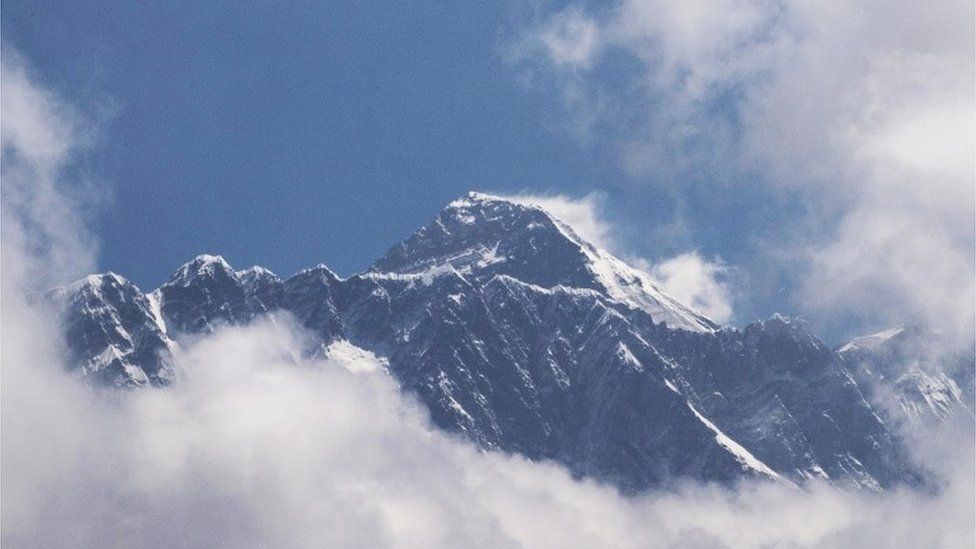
[
  {"x": 290, "y": 136},
  {"x": 293, "y": 134}
]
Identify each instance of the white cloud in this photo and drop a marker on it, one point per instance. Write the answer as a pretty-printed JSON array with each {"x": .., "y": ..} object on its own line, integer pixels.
[
  {"x": 256, "y": 450},
  {"x": 584, "y": 215},
  {"x": 864, "y": 111},
  {"x": 697, "y": 282},
  {"x": 571, "y": 38},
  {"x": 40, "y": 136},
  {"x": 699, "y": 43}
]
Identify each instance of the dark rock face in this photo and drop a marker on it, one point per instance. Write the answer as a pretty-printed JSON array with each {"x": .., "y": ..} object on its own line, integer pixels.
[
  {"x": 115, "y": 334},
  {"x": 521, "y": 337},
  {"x": 206, "y": 293},
  {"x": 494, "y": 237}
]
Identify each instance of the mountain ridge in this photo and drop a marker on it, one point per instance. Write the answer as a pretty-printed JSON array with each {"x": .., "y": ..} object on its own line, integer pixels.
[{"x": 522, "y": 337}]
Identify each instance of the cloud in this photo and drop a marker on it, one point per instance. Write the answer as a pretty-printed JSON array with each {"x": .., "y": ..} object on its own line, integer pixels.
[
  {"x": 697, "y": 282},
  {"x": 584, "y": 215},
  {"x": 863, "y": 112},
  {"x": 257, "y": 449},
  {"x": 41, "y": 136},
  {"x": 570, "y": 38}
]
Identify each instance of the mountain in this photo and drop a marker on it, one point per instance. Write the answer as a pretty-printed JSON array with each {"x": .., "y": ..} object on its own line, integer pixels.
[
  {"x": 481, "y": 236},
  {"x": 912, "y": 378},
  {"x": 115, "y": 333},
  {"x": 522, "y": 337}
]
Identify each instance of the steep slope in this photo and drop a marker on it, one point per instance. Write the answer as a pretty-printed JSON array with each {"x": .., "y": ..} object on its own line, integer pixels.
[
  {"x": 482, "y": 236},
  {"x": 549, "y": 373},
  {"x": 522, "y": 337},
  {"x": 207, "y": 292},
  {"x": 782, "y": 393},
  {"x": 116, "y": 334}
]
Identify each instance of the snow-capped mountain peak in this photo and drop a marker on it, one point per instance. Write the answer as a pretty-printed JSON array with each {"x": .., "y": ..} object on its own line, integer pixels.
[
  {"x": 202, "y": 266},
  {"x": 114, "y": 332},
  {"x": 482, "y": 235},
  {"x": 91, "y": 284}
]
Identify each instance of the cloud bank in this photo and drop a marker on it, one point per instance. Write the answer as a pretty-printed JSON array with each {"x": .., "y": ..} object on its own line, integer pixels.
[{"x": 257, "y": 449}]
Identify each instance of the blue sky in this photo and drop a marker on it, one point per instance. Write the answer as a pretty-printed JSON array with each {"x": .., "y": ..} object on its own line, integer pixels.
[{"x": 288, "y": 135}]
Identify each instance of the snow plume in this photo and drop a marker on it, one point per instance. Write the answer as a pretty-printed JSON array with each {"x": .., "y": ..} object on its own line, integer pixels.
[
  {"x": 700, "y": 283},
  {"x": 585, "y": 215},
  {"x": 687, "y": 277},
  {"x": 864, "y": 112},
  {"x": 260, "y": 448}
]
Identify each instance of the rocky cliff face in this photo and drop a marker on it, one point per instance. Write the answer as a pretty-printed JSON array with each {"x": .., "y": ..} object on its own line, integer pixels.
[
  {"x": 522, "y": 337},
  {"x": 115, "y": 333}
]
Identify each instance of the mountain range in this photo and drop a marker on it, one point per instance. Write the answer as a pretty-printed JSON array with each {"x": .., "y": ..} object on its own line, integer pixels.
[{"x": 522, "y": 337}]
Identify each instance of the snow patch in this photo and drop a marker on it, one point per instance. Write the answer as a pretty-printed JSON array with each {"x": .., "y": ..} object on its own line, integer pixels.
[
  {"x": 741, "y": 455},
  {"x": 155, "y": 307},
  {"x": 203, "y": 264},
  {"x": 353, "y": 358},
  {"x": 870, "y": 341}
]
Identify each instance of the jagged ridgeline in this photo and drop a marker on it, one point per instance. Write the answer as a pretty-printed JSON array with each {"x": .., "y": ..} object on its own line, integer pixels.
[{"x": 522, "y": 337}]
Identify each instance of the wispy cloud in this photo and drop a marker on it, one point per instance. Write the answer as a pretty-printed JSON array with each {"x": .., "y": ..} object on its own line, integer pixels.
[
  {"x": 569, "y": 38},
  {"x": 42, "y": 211},
  {"x": 585, "y": 215},
  {"x": 697, "y": 282},
  {"x": 864, "y": 111}
]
